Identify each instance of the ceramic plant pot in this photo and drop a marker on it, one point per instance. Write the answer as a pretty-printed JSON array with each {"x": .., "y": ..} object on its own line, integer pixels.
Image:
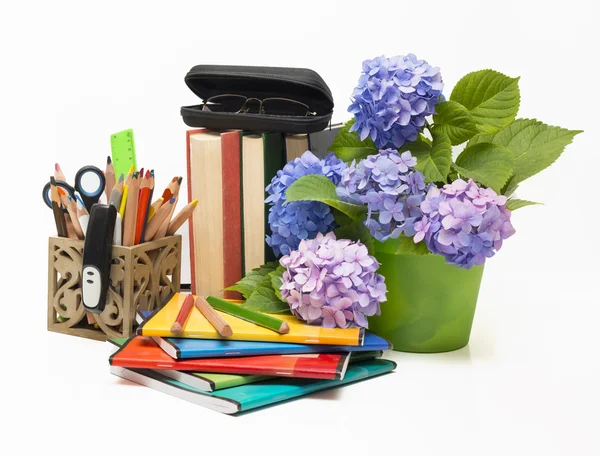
[{"x": 430, "y": 304}]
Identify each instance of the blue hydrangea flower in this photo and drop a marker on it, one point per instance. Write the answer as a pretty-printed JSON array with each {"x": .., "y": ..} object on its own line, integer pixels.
[
  {"x": 390, "y": 187},
  {"x": 298, "y": 220},
  {"x": 393, "y": 97},
  {"x": 464, "y": 222}
]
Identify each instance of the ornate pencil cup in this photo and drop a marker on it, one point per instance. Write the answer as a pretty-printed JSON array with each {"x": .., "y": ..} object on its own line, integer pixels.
[{"x": 142, "y": 277}]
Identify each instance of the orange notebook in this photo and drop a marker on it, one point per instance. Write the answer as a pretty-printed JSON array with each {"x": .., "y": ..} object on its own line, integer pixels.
[
  {"x": 144, "y": 353},
  {"x": 197, "y": 327},
  {"x": 213, "y": 172}
]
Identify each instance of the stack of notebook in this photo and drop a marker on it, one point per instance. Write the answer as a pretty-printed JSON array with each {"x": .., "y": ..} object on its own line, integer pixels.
[
  {"x": 252, "y": 368},
  {"x": 227, "y": 173}
]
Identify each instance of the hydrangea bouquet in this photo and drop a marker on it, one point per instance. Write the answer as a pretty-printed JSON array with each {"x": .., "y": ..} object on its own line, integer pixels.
[{"x": 417, "y": 189}]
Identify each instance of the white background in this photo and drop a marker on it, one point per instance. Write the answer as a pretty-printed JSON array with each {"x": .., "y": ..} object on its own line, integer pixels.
[{"x": 73, "y": 72}]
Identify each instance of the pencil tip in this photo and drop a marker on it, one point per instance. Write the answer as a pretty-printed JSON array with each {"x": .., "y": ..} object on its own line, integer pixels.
[
  {"x": 56, "y": 167},
  {"x": 147, "y": 174},
  {"x": 174, "y": 179},
  {"x": 180, "y": 180},
  {"x": 121, "y": 178},
  {"x": 52, "y": 180},
  {"x": 194, "y": 203},
  {"x": 108, "y": 160}
]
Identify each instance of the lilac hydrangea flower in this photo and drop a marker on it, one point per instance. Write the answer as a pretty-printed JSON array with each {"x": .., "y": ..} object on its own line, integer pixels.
[
  {"x": 464, "y": 222},
  {"x": 332, "y": 282},
  {"x": 393, "y": 97},
  {"x": 390, "y": 187},
  {"x": 299, "y": 220}
]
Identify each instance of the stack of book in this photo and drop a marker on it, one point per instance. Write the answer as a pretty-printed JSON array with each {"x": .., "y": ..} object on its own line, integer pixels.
[
  {"x": 227, "y": 173},
  {"x": 253, "y": 367}
]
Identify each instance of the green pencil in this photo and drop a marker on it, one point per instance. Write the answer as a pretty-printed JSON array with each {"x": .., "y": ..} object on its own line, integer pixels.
[{"x": 252, "y": 316}]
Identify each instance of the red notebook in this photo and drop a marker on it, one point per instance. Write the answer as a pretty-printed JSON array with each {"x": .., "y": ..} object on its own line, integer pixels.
[
  {"x": 213, "y": 177},
  {"x": 143, "y": 353}
]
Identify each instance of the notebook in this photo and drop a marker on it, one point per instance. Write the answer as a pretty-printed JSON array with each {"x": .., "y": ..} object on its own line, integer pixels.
[
  {"x": 204, "y": 381},
  {"x": 143, "y": 353},
  {"x": 206, "y": 348},
  {"x": 213, "y": 167},
  {"x": 197, "y": 326},
  {"x": 248, "y": 397},
  {"x": 262, "y": 156}
]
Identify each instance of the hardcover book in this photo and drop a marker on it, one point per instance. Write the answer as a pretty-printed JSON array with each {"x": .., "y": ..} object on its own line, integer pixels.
[
  {"x": 248, "y": 397},
  {"x": 143, "y": 353},
  {"x": 197, "y": 326}
]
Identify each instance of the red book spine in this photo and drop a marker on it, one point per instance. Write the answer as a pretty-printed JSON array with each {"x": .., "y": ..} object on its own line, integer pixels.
[{"x": 232, "y": 217}]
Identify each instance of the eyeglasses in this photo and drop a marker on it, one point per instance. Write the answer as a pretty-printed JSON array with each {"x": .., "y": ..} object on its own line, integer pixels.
[{"x": 247, "y": 105}]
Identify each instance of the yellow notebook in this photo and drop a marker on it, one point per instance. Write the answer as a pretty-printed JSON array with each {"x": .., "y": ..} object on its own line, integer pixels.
[{"x": 197, "y": 327}]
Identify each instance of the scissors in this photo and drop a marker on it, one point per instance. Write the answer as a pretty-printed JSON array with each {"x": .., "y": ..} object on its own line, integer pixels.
[{"x": 89, "y": 182}]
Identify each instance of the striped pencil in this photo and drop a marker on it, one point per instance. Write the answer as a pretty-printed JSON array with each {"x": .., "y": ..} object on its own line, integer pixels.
[
  {"x": 252, "y": 316},
  {"x": 182, "y": 316},
  {"x": 131, "y": 211}
]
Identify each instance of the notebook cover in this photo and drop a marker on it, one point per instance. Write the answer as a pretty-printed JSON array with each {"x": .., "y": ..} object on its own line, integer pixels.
[
  {"x": 143, "y": 353},
  {"x": 206, "y": 348},
  {"x": 197, "y": 326},
  {"x": 274, "y": 160},
  {"x": 248, "y": 397}
]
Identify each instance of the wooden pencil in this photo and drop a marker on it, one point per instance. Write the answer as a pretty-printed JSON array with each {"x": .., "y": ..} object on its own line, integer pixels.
[
  {"x": 162, "y": 230},
  {"x": 71, "y": 206},
  {"x": 213, "y": 317},
  {"x": 160, "y": 216},
  {"x": 116, "y": 197},
  {"x": 71, "y": 234},
  {"x": 109, "y": 177},
  {"x": 131, "y": 211},
  {"x": 59, "y": 218},
  {"x": 154, "y": 207},
  {"x": 183, "y": 315},
  {"x": 58, "y": 173},
  {"x": 180, "y": 218},
  {"x": 168, "y": 192},
  {"x": 82, "y": 214},
  {"x": 252, "y": 316},
  {"x": 142, "y": 208},
  {"x": 144, "y": 220}
]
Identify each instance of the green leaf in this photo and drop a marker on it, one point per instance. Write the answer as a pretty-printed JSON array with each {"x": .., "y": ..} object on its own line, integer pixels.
[
  {"x": 534, "y": 144},
  {"x": 513, "y": 204},
  {"x": 488, "y": 164},
  {"x": 491, "y": 97},
  {"x": 315, "y": 187},
  {"x": 421, "y": 146},
  {"x": 454, "y": 120},
  {"x": 356, "y": 231},
  {"x": 276, "y": 281},
  {"x": 402, "y": 246},
  {"x": 435, "y": 163},
  {"x": 265, "y": 300},
  {"x": 348, "y": 146},
  {"x": 510, "y": 187},
  {"x": 247, "y": 285}
]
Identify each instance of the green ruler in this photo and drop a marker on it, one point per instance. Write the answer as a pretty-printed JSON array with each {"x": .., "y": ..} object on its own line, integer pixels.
[{"x": 123, "y": 152}]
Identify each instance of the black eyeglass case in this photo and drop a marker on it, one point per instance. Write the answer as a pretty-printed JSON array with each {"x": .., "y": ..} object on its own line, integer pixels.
[{"x": 299, "y": 84}]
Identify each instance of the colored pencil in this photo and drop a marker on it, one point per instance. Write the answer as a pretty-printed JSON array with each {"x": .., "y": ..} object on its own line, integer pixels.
[
  {"x": 183, "y": 315},
  {"x": 142, "y": 209},
  {"x": 131, "y": 211},
  {"x": 145, "y": 217},
  {"x": 59, "y": 218},
  {"x": 168, "y": 192},
  {"x": 213, "y": 317},
  {"x": 154, "y": 207},
  {"x": 180, "y": 218},
  {"x": 164, "y": 226},
  {"x": 109, "y": 176},
  {"x": 66, "y": 201},
  {"x": 82, "y": 214},
  {"x": 124, "y": 201},
  {"x": 158, "y": 219},
  {"x": 58, "y": 173},
  {"x": 115, "y": 200},
  {"x": 252, "y": 316}
]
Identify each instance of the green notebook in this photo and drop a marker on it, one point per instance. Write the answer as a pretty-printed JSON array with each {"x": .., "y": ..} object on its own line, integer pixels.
[
  {"x": 204, "y": 381},
  {"x": 275, "y": 159}
]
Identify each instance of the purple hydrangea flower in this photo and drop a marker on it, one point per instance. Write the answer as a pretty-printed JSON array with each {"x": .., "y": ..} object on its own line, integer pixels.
[
  {"x": 393, "y": 97},
  {"x": 464, "y": 223},
  {"x": 298, "y": 220},
  {"x": 332, "y": 282},
  {"x": 390, "y": 187}
]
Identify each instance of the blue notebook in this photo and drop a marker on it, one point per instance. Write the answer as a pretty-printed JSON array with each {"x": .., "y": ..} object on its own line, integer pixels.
[
  {"x": 205, "y": 348},
  {"x": 248, "y": 397}
]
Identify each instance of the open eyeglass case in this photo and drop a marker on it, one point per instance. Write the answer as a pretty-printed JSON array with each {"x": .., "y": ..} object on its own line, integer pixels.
[{"x": 285, "y": 100}]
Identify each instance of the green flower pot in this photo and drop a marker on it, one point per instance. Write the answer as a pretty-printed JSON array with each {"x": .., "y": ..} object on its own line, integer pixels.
[{"x": 430, "y": 304}]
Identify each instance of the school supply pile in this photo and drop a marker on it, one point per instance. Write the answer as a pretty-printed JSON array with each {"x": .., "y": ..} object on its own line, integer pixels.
[{"x": 222, "y": 355}]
